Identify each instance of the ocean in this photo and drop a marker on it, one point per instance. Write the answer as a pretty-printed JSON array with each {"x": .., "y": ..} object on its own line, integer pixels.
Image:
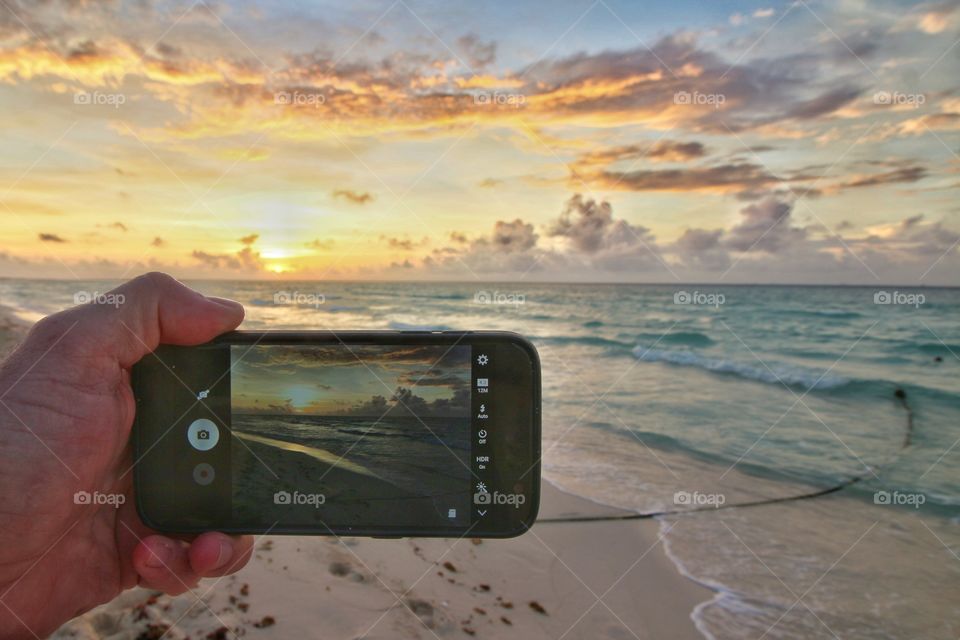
[{"x": 690, "y": 400}]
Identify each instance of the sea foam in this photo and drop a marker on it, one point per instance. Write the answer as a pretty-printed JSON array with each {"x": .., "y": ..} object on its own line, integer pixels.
[{"x": 771, "y": 372}]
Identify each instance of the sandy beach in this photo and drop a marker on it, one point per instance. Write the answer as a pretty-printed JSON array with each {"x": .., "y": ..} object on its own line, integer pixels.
[{"x": 560, "y": 580}]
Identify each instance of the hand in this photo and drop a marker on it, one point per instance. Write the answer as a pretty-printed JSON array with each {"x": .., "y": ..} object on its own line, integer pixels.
[{"x": 66, "y": 409}]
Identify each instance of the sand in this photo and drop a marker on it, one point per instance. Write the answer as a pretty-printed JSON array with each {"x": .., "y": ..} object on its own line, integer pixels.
[
  {"x": 560, "y": 580},
  {"x": 609, "y": 579}
]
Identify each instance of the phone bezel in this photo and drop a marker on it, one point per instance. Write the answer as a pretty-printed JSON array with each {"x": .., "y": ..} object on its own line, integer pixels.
[{"x": 371, "y": 338}]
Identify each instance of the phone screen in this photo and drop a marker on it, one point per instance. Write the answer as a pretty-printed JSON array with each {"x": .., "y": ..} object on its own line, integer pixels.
[
  {"x": 367, "y": 434},
  {"x": 352, "y": 434}
]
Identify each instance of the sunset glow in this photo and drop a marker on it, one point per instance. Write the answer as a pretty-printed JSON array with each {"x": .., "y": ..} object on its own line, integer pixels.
[{"x": 796, "y": 142}]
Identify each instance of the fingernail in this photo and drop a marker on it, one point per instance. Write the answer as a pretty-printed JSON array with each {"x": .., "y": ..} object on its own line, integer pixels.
[
  {"x": 224, "y": 554},
  {"x": 160, "y": 555}
]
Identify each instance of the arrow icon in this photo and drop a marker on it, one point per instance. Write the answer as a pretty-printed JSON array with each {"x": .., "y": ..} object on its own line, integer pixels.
[{"x": 481, "y": 513}]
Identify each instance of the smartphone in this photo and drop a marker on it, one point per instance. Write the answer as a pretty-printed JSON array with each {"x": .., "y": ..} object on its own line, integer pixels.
[{"x": 433, "y": 434}]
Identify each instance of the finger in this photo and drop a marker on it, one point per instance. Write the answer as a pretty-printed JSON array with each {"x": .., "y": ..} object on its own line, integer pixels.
[
  {"x": 216, "y": 554},
  {"x": 133, "y": 319},
  {"x": 164, "y": 564}
]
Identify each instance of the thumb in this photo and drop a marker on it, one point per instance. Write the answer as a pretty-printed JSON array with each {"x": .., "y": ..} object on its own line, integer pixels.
[{"x": 132, "y": 320}]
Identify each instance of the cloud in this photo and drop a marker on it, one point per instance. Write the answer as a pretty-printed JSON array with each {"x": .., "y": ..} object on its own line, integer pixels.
[
  {"x": 512, "y": 237},
  {"x": 479, "y": 54},
  {"x": 317, "y": 243},
  {"x": 589, "y": 226},
  {"x": 765, "y": 226},
  {"x": 702, "y": 248},
  {"x": 721, "y": 178},
  {"x": 158, "y": 242},
  {"x": 662, "y": 150},
  {"x": 913, "y": 236},
  {"x": 406, "y": 403},
  {"x": 50, "y": 237},
  {"x": 244, "y": 260},
  {"x": 937, "y": 19},
  {"x": 906, "y": 174},
  {"x": 410, "y": 92},
  {"x": 250, "y": 239},
  {"x": 404, "y": 244},
  {"x": 356, "y": 197}
]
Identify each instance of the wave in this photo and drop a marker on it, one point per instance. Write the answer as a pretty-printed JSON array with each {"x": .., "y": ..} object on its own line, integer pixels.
[
  {"x": 775, "y": 373},
  {"x": 592, "y": 341},
  {"x": 684, "y": 338},
  {"x": 930, "y": 348},
  {"x": 831, "y": 313},
  {"x": 688, "y": 338}
]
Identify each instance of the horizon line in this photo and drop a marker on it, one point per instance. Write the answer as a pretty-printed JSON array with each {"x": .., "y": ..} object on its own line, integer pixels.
[{"x": 510, "y": 282}]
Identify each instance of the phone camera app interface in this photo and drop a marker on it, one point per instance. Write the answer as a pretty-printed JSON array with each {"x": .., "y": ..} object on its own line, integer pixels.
[{"x": 352, "y": 436}]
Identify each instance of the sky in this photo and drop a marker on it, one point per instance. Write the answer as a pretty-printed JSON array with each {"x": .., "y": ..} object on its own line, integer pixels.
[
  {"x": 722, "y": 141},
  {"x": 358, "y": 381}
]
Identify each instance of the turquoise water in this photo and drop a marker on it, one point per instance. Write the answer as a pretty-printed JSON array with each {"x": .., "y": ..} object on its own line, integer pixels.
[{"x": 748, "y": 393}]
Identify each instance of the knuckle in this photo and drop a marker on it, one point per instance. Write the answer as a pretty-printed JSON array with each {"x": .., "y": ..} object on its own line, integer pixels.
[
  {"x": 156, "y": 280},
  {"x": 50, "y": 328}
]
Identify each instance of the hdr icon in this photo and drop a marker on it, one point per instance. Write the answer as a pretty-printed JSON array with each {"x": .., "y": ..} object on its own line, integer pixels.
[{"x": 482, "y": 462}]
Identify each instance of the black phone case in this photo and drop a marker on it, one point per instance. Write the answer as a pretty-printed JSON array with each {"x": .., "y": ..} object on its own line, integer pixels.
[{"x": 319, "y": 337}]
